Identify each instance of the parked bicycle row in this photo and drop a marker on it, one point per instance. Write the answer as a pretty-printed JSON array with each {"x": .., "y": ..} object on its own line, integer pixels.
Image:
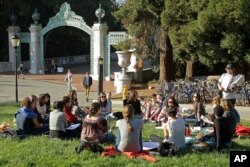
[{"x": 184, "y": 91}]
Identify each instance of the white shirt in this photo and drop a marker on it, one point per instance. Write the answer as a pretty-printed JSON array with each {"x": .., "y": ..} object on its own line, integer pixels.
[
  {"x": 176, "y": 130},
  {"x": 227, "y": 80}
]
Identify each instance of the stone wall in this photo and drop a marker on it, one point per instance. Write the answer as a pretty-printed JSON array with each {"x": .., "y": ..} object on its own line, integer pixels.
[{"x": 5, "y": 66}]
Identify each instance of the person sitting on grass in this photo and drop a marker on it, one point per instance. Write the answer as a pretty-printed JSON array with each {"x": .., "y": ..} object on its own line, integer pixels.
[
  {"x": 26, "y": 119},
  {"x": 67, "y": 109},
  {"x": 153, "y": 109},
  {"x": 42, "y": 105},
  {"x": 222, "y": 130},
  {"x": 43, "y": 108},
  {"x": 57, "y": 121},
  {"x": 135, "y": 102},
  {"x": 76, "y": 110},
  {"x": 170, "y": 103},
  {"x": 106, "y": 105},
  {"x": 231, "y": 113},
  {"x": 209, "y": 119},
  {"x": 129, "y": 131},
  {"x": 94, "y": 129},
  {"x": 174, "y": 129}
]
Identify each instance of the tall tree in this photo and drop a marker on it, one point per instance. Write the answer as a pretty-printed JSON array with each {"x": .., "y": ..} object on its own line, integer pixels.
[
  {"x": 142, "y": 20},
  {"x": 209, "y": 31},
  {"x": 179, "y": 19}
]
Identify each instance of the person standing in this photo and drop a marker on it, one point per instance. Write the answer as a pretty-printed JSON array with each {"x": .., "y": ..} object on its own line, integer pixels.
[
  {"x": 69, "y": 78},
  {"x": 20, "y": 69},
  {"x": 87, "y": 82},
  {"x": 229, "y": 82}
]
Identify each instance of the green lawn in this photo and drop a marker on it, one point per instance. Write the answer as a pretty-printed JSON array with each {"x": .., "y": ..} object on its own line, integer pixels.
[{"x": 42, "y": 151}]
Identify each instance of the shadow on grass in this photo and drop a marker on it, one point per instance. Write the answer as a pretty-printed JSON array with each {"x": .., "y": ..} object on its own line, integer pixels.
[
  {"x": 7, "y": 115},
  {"x": 237, "y": 146},
  {"x": 3, "y": 162}
]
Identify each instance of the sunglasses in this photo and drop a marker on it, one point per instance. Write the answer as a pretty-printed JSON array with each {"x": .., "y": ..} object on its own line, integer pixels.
[
  {"x": 170, "y": 101},
  {"x": 103, "y": 96}
]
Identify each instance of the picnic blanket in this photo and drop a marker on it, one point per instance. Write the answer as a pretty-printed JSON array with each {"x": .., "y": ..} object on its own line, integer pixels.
[{"x": 111, "y": 151}]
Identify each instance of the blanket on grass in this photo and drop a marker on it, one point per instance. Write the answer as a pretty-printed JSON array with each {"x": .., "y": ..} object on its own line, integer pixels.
[
  {"x": 111, "y": 151},
  {"x": 241, "y": 130}
]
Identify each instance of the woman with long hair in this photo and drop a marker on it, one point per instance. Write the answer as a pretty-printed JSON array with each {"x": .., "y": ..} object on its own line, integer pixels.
[
  {"x": 94, "y": 128},
  {"x": 134, "y": 101},
  {"x": 67, "y": 109},
  {"x": 199, "y": 109},
  {"x": 42, "y": 104},
  {"x": 171, "y": 102},
  {"x": 129, "y": 131},
  {"x": 76, "y": 110},
  {"x": 106, "y": 106}
]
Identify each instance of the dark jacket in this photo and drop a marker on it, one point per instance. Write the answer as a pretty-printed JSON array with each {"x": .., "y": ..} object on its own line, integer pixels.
[
  {"x": 222, "y": 131},
  {"x": 85, "y": 81}
]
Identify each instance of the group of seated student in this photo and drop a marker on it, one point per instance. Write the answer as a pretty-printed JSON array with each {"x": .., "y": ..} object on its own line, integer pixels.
[
  {"x": 223, "y": 119},
  {"x": 26, "y": 119},
  {"x": 94, "y": 126}
]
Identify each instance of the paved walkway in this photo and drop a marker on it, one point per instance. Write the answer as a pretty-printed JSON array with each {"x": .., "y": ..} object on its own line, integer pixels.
[{"x": 55, "y": 85}]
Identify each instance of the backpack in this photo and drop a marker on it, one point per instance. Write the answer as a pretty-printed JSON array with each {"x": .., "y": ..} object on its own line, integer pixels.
[{"x": 167, "y": 149}]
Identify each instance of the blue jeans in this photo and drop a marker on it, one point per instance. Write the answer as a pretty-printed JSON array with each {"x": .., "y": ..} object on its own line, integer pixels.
[{"x": 108, "y": 138}]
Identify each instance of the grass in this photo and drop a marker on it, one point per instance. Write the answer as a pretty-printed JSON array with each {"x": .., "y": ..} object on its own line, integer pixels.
[{"x": 42, "y": 151}]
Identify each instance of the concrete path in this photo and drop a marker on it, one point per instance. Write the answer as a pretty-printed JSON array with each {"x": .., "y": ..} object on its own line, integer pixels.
[{"x": 34, "y": 86}]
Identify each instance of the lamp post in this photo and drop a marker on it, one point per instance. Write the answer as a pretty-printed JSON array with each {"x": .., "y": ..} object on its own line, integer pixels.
[
  {"x": 100, "y": 13},
  {"x": 15, "y": 41},
  {"x": 100, "y": 76}
]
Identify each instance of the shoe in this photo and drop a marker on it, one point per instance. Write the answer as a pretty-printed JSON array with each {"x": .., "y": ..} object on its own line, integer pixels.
[{"x": 79, "y": 148}]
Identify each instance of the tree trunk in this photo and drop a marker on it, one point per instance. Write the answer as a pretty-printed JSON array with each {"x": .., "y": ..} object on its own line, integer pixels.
[
  {"x": 244, "y": 68},
  {"x": 166, "y": 57},
  {"x": 189, "y": 70}
]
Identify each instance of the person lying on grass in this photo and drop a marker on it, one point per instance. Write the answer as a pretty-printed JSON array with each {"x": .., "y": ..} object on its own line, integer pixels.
[
  {"x": 94, "y": 129},
  {"x": 129, "y": 131}
]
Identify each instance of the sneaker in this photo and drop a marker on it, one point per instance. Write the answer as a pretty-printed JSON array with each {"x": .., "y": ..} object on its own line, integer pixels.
[{"x": 79, "y": 148}]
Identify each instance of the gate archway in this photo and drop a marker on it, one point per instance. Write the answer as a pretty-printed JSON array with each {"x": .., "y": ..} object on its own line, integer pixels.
[{"x": 66, "y": 17}]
